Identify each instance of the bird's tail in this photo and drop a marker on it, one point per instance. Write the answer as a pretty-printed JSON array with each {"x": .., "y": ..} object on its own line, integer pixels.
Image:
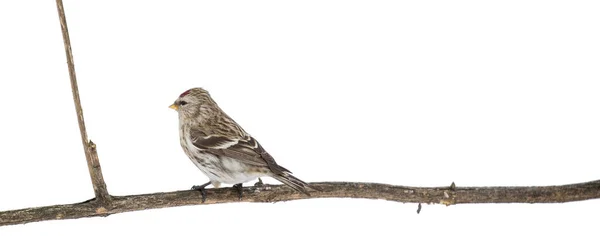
[{"x": 294, "y": 183}]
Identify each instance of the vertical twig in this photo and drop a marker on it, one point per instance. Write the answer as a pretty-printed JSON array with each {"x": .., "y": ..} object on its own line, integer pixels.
[{"x": 89, "y": 147}]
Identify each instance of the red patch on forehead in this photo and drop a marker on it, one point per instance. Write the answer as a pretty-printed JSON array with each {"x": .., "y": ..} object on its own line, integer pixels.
[{"x": 184, "y": 93}]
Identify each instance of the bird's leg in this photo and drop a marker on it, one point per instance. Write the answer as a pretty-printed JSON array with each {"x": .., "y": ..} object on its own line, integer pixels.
[
  {"x": 202, "y": 190},
  {"x": 238, "y": 187},
  {"x": 259, "y": 183}
]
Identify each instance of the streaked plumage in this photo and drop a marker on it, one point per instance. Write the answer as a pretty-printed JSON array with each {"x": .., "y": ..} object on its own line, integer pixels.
[{"x": 220, "y": 148}]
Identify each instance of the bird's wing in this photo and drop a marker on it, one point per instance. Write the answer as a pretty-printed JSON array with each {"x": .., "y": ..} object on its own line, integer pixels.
[{"x": 245, "y": 149}]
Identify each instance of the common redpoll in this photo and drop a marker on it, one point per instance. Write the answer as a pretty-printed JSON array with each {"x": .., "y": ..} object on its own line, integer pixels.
[{"x": 221, "y": 149}]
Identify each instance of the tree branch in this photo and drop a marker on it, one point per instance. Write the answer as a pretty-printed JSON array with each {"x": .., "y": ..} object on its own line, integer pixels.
[
  {"x": 89, "y": 147},
  {"x": 277, "y": 193}
]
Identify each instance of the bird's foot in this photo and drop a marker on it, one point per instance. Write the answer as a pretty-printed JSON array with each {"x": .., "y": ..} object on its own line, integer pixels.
[
  {"x": 259, "y": 183},
  {"x": 239, "y": 189},
  {"x": 202, "y": 190}
]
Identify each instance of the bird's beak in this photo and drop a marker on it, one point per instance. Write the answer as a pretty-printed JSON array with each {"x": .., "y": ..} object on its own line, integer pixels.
[{"x": 174, "y": 107}]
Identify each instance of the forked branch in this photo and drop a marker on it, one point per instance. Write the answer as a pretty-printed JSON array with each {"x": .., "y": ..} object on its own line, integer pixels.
[{"x": 103, "y": 204}]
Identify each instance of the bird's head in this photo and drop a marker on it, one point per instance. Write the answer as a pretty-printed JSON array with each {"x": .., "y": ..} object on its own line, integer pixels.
[{"x": 193, "y": 103}]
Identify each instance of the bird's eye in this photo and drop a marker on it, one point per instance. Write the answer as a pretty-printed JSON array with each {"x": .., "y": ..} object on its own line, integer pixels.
[{"x": 182, "y": 103}]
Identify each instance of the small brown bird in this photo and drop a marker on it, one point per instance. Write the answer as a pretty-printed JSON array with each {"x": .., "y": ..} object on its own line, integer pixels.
[{"x": 221, "y": 149}]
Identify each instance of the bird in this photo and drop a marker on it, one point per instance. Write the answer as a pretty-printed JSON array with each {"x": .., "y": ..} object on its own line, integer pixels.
[{"x": 221, "y": 149}]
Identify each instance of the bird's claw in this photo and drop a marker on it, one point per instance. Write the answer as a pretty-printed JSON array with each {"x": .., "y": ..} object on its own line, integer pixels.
[
  {"x": 259, "y": 183},
  {"x": 202, "y": 191},
  {"x": 453, "y": 186},
  {"x": 239, "y": 189}
]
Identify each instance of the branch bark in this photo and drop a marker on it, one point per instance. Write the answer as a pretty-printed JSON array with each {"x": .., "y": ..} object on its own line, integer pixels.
[
  {"x": 88, "y": 146},
  {"x": 277, "y": 193}
]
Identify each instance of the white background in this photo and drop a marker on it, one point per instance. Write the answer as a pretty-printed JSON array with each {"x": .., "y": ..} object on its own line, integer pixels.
[{"x": 418, "y": 93}]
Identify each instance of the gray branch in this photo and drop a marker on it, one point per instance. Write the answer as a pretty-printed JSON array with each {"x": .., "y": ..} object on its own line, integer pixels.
[
  {"x": 89, "y": 147},
  {"x": 275, "y": 193}
]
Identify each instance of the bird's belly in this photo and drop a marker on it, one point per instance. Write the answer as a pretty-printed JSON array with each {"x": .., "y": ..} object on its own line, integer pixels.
[{"x": 224, "y": 169}]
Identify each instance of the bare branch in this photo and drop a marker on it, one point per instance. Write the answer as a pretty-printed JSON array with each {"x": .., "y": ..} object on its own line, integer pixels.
[
  {"x": 277, "y": 193},
  {"x": 88, "y": 146}
]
